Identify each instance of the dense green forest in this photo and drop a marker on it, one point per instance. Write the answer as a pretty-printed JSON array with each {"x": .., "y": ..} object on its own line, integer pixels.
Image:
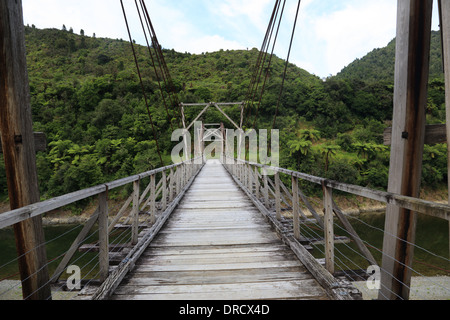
[{"x": 86, "y": 96}]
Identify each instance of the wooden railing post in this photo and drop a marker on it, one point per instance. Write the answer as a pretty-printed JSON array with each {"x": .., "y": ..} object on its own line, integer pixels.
[
  {"x": 329, "y": 228},
  {"x": 171, "y": 185},
  {"x": 135, "y": 213},
  {"x": 250, "y": 178},
  {"x": 277, "y": 195},
  {"x": 153, "y": 199},
  {"x": 257, "y": 186},
  {"x": 266, "y": 189},
  {"x": 103, "y": 235},
  {"x": 295, "y": 208},
  {"x": 164, "y": 191},
  {"x": 178, "y": 180}
]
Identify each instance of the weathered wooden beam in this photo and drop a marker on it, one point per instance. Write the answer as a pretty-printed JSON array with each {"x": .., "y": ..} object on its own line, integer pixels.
[
  {"x": 329, "y": 228},
  {"x": 434, "y": 133},
  {"x": 19, "y": 151},
  {"x": 103, "y": 235},
  {"x": 352, "y": 233},
  {"x": 444, "y": 11},
  {"x": 295, "y": 208},
  {"x": 408, "y": 136},
  {"x": 40, "y": 142}
]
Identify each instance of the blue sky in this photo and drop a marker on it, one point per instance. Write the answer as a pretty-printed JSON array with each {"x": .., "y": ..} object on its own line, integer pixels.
[{"x": 330, "y": 33}]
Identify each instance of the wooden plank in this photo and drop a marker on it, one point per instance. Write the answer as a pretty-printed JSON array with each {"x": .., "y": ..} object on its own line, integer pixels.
[
  {"x": 40, "y": 142},
  {"x": 352, "y": 233},
  {"x": 434, "y": 133},
  {"x": 217, "y": 276},
  {"x": 259, "y": 290},
  {"x": 73, "y": 248},
  {"x": 183, "y": 250},
  {"x": 223, "y": 259}
]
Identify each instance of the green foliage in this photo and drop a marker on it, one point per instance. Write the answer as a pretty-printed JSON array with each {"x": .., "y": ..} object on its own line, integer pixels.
[{"x": 87, "y": 98}]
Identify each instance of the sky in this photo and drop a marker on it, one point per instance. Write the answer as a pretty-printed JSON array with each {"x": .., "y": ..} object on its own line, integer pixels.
[{"x": 330, "y": 34}]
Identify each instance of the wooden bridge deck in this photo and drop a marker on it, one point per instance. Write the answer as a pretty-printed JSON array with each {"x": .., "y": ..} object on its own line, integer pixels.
[{"x": 218, "y": 246}]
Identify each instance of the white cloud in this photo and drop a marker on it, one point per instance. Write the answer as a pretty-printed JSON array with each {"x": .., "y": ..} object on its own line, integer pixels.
[
  {"x": 354, "y": 31},
  {"x": 330, "y": 34}
]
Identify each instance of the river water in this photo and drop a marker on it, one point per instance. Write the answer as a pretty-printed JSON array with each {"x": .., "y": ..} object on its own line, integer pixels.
[{"x": 431, "y": 253}]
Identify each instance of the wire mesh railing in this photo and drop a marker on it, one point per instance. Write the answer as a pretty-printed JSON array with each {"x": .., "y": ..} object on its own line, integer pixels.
[
  {"x": 81, "y": 257},
  {"x": 349, "y": 246}
]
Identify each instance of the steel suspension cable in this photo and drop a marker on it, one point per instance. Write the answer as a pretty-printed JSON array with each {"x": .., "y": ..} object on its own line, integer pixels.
[
  {"x": 260, "y": 63},
  {"x": 269, "y": 65},
  {"x": 162, "y": 62},
  {"x": 142, "y": 84},
  {"x": 286, "y": 65},
  {"x": 153, "y": 64}
]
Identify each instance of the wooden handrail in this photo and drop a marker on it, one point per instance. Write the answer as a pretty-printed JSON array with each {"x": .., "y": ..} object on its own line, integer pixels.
[
  {"x": 10, "y": 218},
  {"x": 434, "y": 209}
]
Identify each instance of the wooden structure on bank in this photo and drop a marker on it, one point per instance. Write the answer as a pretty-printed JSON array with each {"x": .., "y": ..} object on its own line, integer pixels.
[{"x": 407, "y": 140}]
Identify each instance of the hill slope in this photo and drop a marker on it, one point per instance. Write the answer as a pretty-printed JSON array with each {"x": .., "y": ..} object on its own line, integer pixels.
[
  {"x": 86, "y": 96},
  {"x": 379, "y": 64}
]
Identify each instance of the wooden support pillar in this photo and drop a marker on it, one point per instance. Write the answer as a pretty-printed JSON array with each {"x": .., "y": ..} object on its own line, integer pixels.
[
  {"x": 266, "y": 189},
  {"x": 164, "y": 191},
  {"x": 152, "y": 199},
  {"x": 103, "y": 235},
  {"x": 444, "y": 11},
  {"x": 408, "y": 132},
  {"x": 295, "y": 208},
  {"x": 135, "y": 213},
  {"x": 277, "y": 195},
  {"x": 257, "y": 185},
  {"x": 328, "y": 228},
  {"x": 19, "y": 150}
]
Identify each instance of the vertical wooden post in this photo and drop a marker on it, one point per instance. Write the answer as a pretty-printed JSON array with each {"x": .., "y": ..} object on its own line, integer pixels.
[
  {"x": 250, "y": 178},
  {"x": 135, "y": 214},
  {"x": 19, "y": 150},
  {"x": 103, "y": 237},
  {"x": 152, "y": 199},
  {"x": 295, "y": 208},
  {"x": 410, "y": 99},
  {"x": 164, "y": 191},
  {"x": 256, "y": 183},
  {"x": 178, "y": 180},
  {"x": 171, "y": 186},
  {"x": 266, "y": 189},
  {"x": 444, "y": 10},
  {"x": 277, "y": 195},
  {"x": 328, "y": 228}
]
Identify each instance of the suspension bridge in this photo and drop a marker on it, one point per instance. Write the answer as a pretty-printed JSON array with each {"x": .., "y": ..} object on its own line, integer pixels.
[{"x": 223, "y": 228}]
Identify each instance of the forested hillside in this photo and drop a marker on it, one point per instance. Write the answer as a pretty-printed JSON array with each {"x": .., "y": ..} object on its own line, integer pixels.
[{"x": 87, "y": 98}]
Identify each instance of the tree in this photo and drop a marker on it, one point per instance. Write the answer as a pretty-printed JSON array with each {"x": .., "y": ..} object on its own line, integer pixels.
[
  {"x": 299, "y": 149},
  {"x": 309, "y": 135},
  {"x": 328, "y": 151}
]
